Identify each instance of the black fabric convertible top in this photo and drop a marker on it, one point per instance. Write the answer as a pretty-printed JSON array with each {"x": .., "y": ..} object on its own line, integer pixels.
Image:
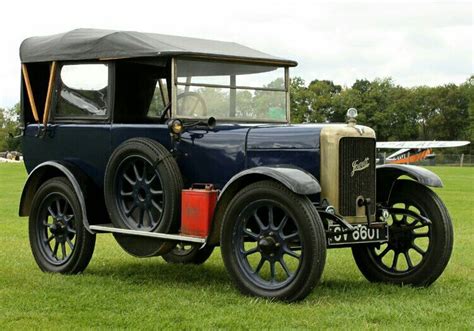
[{"x": 89, "y": 44}]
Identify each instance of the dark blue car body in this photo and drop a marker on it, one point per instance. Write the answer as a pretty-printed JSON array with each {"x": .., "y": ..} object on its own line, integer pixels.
[{"x": 204, "y": 156}]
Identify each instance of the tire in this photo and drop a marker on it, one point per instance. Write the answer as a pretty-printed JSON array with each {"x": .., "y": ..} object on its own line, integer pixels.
[
  {"x": 142, "y": 190},
  {"x": 188, "y": 254},
  {"x": 59, "y": 241},
  {"x": 425, "y": 249},
  {"x": 252, "y": 216}
]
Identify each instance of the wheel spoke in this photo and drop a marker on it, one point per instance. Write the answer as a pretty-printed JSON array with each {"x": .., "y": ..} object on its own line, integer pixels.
[
  {"x": 130, "y": 211},
  {"x": 260, "y": 265},
  {"x": 156, "y": 192},
  {"x": 47, "y": 241},
  {"x": 126, "y": 194},
  {"x": 58, "y": 207},
  {"x": 421, "y": 235},
  {"x": 270, "y": 217},
  {"x": 250, "y": 251},
  {"x": 63, "y": 250},
  {"x": 285, "y": 267},
  {"x": 55, "y": 249},
  {"x": 259, "y": 221},
  {"x": 291, "y": 253},
  {"x": 251, "y": 234},
  {"x": 148, "y": 181},
  {"x": 144, "y": 172},
  {"x": 291, "y": 236},
  {"x": 52, "y": 213},
  {"x": 384, "y": 252},
  {"x": 418, "y": 249},
  {"x": 135, "y": 170},
  {"x": 46, "y": 224},
  {"x": 150, "y": 217},
  {"x": 414, "y": 227},
  {"x": 69, "y": 242},
  {"x": 395, "y": 261},
  {"x": 409, "y": 262},
  {"x": 282, "y": 223},
  {"x": 272, "y": 271},
  {"x": 140, "y": 217},
  {"x": 157, "y": 206},
  {"x": 128, "y": 179}
]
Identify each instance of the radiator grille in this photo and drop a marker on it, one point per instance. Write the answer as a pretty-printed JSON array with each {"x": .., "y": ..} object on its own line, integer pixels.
[{"x": 354, "y": 153}]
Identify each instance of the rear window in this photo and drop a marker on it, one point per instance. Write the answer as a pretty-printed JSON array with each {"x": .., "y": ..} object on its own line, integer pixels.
[{"x": 83, "y": 91}]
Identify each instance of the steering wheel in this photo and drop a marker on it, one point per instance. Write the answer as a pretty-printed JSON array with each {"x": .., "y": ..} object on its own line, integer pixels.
[{"x": 191, "y": 104}]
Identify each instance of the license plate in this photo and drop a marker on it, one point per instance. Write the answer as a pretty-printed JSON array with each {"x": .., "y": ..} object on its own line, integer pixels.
[{"x": 361, "y": 234}]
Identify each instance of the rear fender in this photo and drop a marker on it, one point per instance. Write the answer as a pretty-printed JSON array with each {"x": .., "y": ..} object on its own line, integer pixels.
[{"x": 48, "y": 170}]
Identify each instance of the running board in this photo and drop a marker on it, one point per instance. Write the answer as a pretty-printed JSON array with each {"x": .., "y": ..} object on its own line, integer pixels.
[{"x": 175, "y": 237}]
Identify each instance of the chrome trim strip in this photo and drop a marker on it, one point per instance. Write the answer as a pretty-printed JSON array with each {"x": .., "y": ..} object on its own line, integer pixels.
[{"x": 109, "y": 228}]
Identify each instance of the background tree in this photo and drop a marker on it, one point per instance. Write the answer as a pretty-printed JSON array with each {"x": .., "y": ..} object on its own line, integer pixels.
[{"x": 9, "y": 122}]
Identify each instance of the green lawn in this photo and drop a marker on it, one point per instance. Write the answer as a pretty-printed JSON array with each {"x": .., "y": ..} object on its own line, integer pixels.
[{"x": 120, "y": 291}]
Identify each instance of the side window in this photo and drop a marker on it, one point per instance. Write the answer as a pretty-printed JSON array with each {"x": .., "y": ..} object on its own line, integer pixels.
[
  {"x": 82, "y": 91},
  {"x": 159, "y": 100}
]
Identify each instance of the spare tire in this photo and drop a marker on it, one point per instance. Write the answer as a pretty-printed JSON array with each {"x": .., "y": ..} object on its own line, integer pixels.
[{"x": 142, "y": 192}]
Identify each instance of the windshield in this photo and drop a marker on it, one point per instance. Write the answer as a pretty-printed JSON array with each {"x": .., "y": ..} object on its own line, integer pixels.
[{"x": 231, "y": 91}]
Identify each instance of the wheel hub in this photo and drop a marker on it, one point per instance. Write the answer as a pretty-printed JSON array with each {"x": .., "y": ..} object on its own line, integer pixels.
[
  {"x": 269, "y": 245},
  {"x": 400, "y": 237},
  {"x": 141, "y": 193},
  {"x": 59, "y": 229}
]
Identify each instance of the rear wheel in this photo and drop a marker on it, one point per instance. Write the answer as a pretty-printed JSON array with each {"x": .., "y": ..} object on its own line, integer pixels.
[
  {"x": 186, "y": 253},
  {"x": 58, "y": 239},
  {"x": 273, "y": 242},
  {"x": 417, "y": 251}
]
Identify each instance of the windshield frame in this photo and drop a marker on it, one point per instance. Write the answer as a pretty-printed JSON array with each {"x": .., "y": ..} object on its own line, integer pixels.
[{"x": 176, "y": 83}]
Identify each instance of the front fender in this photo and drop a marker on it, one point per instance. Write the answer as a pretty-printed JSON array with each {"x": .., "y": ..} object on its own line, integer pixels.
[
  {"x": 45, "y": 171},
  {"x": 387, "y": 174},
  {"x": 297, "y": 180}
]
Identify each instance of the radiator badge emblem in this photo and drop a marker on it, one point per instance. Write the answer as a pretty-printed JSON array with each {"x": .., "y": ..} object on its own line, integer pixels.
[{"x": 358, "y": 166}]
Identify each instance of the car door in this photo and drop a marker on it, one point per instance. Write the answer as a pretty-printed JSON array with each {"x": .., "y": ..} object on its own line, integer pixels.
[{"x": 78, "y": 130}]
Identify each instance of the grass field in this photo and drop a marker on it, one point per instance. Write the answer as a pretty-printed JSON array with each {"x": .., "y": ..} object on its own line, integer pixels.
[{"x": 119, "y": 291}]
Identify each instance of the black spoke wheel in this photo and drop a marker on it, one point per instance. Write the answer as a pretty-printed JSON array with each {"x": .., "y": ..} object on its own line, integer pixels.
[
  {"x": 142, "y": 192},
  {"x": 139, "y": 193},
  {"x": 186, "y": 253},
  {"x": 419, "y": 248},
  {"x": 58, "y": 239},
  {"x": 273, "y": 242}
]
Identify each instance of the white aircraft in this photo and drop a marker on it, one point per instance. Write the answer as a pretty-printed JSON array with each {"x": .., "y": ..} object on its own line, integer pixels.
[{"x": 414, "y": 151}]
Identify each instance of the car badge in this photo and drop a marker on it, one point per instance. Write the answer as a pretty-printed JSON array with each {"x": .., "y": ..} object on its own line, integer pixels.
[{"x": 359, "y": 166}]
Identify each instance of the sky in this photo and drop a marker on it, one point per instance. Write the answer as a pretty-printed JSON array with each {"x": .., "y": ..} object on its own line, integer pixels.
[{"x": 414, "y": 42}]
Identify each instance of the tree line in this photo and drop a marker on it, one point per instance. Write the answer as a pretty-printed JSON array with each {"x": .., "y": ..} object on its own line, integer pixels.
[{"x": 395, "y": 112}]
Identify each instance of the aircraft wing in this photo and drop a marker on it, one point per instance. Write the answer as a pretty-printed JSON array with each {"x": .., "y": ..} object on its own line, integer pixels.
[{"x": 419, "y": 144}]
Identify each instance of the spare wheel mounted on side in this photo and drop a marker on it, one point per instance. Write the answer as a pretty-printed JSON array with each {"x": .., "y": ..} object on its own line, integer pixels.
[{"x": 142, "y": 192}]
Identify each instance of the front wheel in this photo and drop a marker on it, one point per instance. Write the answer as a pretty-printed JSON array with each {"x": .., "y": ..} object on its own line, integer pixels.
[
  {"x": 59, "y": 241},
  {"x": 417, "y": 251},
  {"x": 273, "y": 242}
]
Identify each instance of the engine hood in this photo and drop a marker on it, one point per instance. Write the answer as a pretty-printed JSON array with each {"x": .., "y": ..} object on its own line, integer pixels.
[{"x": 297, "y": 136}]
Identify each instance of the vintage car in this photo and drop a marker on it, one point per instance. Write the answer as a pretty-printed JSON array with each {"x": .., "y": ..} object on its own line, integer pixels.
[{"x": 177, "y": 145}]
